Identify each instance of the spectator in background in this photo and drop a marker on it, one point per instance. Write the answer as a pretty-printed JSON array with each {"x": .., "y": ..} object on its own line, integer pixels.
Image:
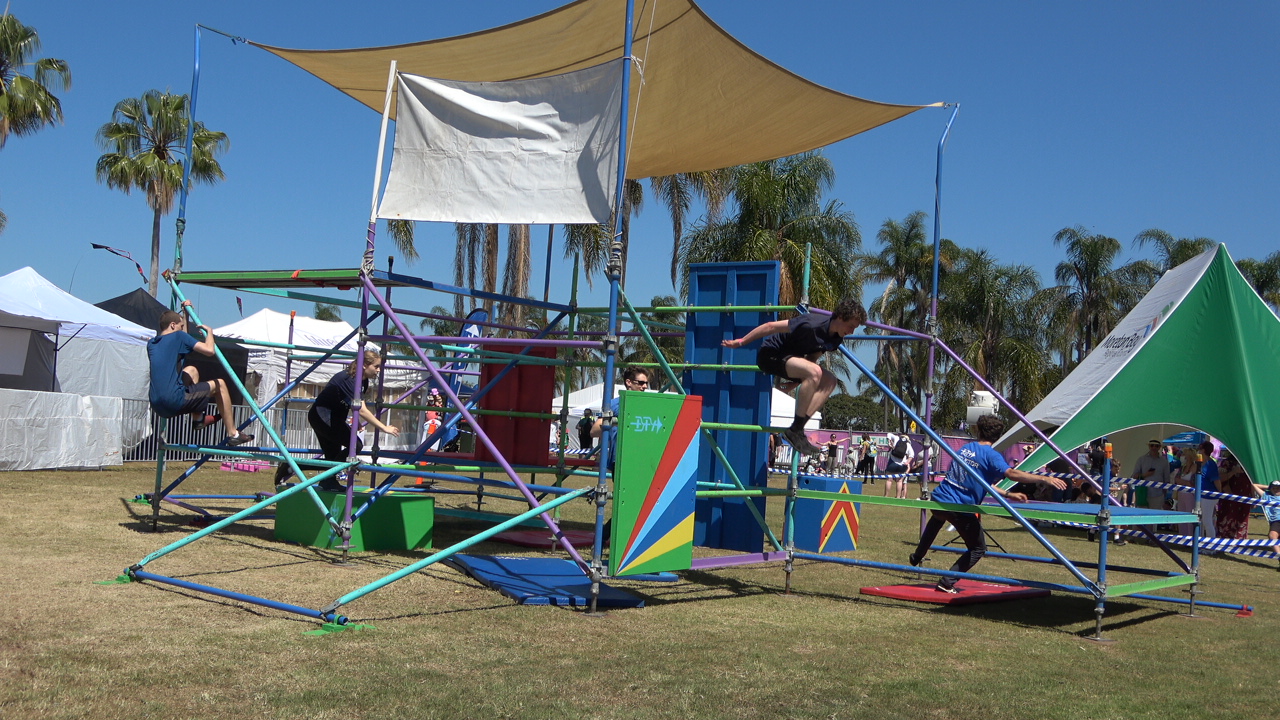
[
  {"x": 1272, "y": 512},
  {"x": 1208, "y": 483},
  {"x": 1153, "y": 466},
  {"x": 1188, "y": 476},
  {"x": 1097, "y": 457},
  {"x": 867, "y": 459},
  {"x": 901, "y": 455},
  {"x": 833, "y": 454},
  {"x": 1232, "y": 520},
  {"x": 583, "y": 428}
]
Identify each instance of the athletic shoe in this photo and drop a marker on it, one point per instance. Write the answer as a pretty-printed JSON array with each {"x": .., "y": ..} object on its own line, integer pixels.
[
  {"x": 204, "y": 422},
  {"x": 283, "y": 473},
  {"x": 915, "y": 561},
  {"x": 240, "y": 439},
  {"x": 800, "y": 442},
  {"x": 946, "y": 589}
]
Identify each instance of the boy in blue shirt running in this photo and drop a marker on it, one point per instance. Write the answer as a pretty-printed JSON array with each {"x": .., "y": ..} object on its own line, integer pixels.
[
  {"x": 177, "y": 390},
  {"x": 961, "y": 488}
]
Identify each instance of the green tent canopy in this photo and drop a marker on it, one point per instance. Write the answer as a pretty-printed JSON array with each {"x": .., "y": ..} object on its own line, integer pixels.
[{"x": 1200, "y": 352}]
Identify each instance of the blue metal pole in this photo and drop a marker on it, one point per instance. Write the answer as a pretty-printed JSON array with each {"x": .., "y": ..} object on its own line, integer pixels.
[
  {"x": 974, "y": 473},
  {"x": 251, "y": 599},
  {"x": 931, "y": 324},
  {"x": 181, "y": 222},
  {"x": 611, "y": 341}
]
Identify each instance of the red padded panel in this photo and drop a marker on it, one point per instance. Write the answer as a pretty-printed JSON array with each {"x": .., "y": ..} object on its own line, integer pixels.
[{"x": 527, "y": 388}]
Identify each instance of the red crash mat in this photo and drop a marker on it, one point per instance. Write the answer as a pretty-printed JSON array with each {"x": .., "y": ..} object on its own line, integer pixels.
[{"x": 970, "y": 591}]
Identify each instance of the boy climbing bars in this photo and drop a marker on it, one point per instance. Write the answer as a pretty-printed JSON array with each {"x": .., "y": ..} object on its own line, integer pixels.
[
  {"x": 177, "y": 390},
  {"x": 790, "y": 352}
]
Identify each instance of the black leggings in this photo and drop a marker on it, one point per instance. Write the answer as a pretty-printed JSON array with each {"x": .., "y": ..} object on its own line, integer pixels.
[
  {"x": 334, "y": 438},
  {"x": 969, "y": 526}
]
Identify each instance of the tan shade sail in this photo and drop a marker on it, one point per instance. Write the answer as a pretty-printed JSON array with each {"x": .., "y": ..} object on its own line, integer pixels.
[{"x": 700, "y": 100}]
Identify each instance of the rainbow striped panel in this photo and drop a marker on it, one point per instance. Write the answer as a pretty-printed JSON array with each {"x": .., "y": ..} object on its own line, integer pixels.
[{"x": 654, "y": 483}]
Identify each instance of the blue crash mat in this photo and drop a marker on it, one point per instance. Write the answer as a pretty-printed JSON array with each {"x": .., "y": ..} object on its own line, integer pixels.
[{"x": 541, "y": 581}]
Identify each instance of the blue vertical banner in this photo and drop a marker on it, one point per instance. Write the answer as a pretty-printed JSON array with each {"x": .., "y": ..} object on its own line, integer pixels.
[{"x": 740, "y": 397}]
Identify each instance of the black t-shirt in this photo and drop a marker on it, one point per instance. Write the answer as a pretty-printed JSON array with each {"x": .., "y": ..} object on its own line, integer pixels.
[
  {"x": 806, "y": 334},
  {"x": 1097, "y": 456},
  {"x": 334, "y": 401}
]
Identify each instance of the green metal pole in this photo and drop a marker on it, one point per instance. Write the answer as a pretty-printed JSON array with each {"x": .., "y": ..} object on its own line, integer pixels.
[{"x": 808, "y": 265}]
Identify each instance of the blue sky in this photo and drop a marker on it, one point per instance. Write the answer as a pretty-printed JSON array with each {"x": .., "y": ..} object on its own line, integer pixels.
[{"x": 1119, "y": 116}]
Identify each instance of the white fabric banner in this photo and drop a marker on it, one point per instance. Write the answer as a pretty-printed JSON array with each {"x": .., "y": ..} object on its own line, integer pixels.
[
  {"x": 42, "y": 431},
  {"x": 522, "y": 151}
]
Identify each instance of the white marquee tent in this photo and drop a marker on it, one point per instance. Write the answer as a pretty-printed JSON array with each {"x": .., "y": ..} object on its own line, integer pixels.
[
  {"x": 782, "y": 408},
  {"x": 98, "y": 358},
  {"x": 269, "y": 363}
]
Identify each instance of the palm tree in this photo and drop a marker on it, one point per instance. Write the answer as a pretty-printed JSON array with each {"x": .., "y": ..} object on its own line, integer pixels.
[
  {"x": 1097, "y": 294},
  {"x": 634, "y": 349},
  {"x": 515, "y": 275},
  {"x": 1170, "y": 252},
  {"x": 1264, "y": 276},
  {"x": 987, "y": 319},
  {"x": 777, "y": 212},
  {"x": 677, "y": 193},
  {"x": 146, "y": 144},
  {"x": 591, "y": 241},
  {"x": 26, "y": 103},
  {"x": 905, "y": 265},
  {"x": 327, "y": 312},
  {"x": 401, "y": 233},
  {"x": 470, "y": 238}
]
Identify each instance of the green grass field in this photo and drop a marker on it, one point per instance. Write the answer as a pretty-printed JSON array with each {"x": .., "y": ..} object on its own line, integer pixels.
[{"x": 723, "y": 644}]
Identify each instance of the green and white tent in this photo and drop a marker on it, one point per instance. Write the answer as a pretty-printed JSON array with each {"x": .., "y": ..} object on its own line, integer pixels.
[{"x": 1200, "y": 352}]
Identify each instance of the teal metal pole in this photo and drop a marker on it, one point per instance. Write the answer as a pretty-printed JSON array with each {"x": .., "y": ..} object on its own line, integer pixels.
[
  {"x": 238, "y": 516},
  {"x": 456, "y": 548},
  {"x": 253, "y": 405}
]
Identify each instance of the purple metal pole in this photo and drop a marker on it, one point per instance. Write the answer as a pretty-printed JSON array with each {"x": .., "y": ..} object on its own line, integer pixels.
[
  {"x": 451, "y": 339},
  {"x": 475, "y": 426}
]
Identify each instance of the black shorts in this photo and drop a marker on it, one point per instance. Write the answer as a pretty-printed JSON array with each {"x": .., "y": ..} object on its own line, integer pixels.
[
  {"x": 196, "y": 400},
  {"x": 771, "y": 361}
]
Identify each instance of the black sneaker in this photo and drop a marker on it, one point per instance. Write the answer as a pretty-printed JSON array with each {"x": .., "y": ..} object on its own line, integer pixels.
[
  {"x": 283, "y": 473},
  {"x": 915, "y": 561},
  {"x": 241, "y": 439},
  {"x": 204, "y": 421},
  {"x": 800, "y": 442},
  {"x": 943, "y": 587}
]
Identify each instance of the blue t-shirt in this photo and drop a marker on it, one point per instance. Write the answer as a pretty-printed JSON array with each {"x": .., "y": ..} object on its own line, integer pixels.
[
  {"x": 1209, "y": 475},
  {"x": 1272, "y": 511},
  {"x": 959, "y": 486},
  {"x": 167, "y": 353}
]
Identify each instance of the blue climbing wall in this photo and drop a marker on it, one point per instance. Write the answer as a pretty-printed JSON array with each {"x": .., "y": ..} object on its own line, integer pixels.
[{"x": 741, "y": 397}]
